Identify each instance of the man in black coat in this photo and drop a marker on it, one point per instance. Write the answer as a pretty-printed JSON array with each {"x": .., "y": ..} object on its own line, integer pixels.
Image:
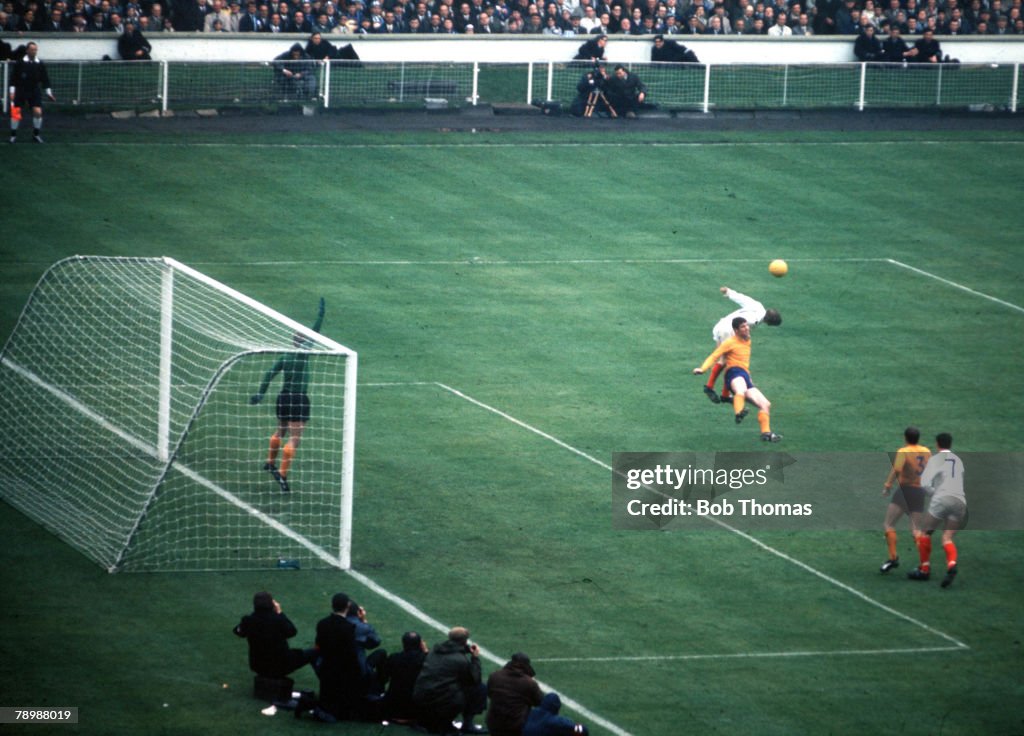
[
  {"x": 132, "y": 45},
  {"x": 625, "y": 92},
  {"x": 593, "y": 49},
  {"x": 927, "y": 49},
  {"x": 400, "y": 671},
  {"x": 867, "y": 47},
  {"x": 341, "y": 681},
  {"x": 671, "y": 50},
  {"x": 268, "y": 630},
  {"x": 28, "y": 80}
]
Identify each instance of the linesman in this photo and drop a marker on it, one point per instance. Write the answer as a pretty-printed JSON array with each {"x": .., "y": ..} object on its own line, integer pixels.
[{"x": 29, "y": 79}]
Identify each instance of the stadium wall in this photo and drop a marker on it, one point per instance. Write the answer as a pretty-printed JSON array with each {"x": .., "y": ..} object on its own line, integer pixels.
[{"x": 497, "y": 49}]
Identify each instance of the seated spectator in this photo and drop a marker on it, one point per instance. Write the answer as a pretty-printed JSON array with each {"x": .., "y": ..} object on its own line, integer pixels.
[
  {"x": 803, "y": 26},
  {"x": 545, "y": 721},
  {"x": 319, "y": 49},
  {"x": 927, "y": 49},
  {"x": 450, "y": 684},
  {"x": 779, "y": 29},
  {"x": 267, "y": 631},
  {"x": 338, "y": 663},
  {"x": 132, "y": 45},
  {"x": 512, "y": 692},
  {"x": 894, "y": 48},
  {"x": 867, "y": 47},
  {"x": 295, "y": 73},
  {"x": 399, "y": 671},
  {"x": 367, "y": 639}
]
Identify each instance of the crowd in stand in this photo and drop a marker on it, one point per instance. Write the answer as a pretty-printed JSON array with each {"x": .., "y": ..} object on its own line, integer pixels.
[{"x": 545, "y": 17}]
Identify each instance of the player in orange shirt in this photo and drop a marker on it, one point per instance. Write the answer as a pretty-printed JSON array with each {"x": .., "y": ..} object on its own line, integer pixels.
[
  {"x": 736, "y": 351},
  {"x": 908, "y": 499}
]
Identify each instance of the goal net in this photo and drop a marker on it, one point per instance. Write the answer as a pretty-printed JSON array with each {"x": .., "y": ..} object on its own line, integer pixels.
[{"x": 127, "y": 428}]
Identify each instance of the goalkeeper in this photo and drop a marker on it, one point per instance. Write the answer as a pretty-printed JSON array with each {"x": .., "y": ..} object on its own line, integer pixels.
[{"x": 292, "y": 404}]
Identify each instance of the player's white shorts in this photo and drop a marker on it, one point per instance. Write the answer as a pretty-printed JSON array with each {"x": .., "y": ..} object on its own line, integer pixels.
[{"x": 948, "y": 508}]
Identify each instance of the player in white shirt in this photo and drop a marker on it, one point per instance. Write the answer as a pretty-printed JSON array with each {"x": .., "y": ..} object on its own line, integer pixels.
[
  {"x": 754, "y": 313},
  {"x": 943, "y": 478}
]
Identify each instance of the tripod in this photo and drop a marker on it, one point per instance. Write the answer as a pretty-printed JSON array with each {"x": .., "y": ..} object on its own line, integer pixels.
[{"x": 592, "y": 100}]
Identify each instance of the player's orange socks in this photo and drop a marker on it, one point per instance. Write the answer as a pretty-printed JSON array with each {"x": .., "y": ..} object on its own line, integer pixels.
[
  {"x": 924, "y": 550},
  {"x": 950, "y": 550},
  {"x": 890, "y": 542},
  {"x": 716, "y": 369},
  {"x": 275, "y": 445},
  {"x": 764, "y": 421},
  {"x": 288, "y": 453},
  {"x": 738, "y": 401}
]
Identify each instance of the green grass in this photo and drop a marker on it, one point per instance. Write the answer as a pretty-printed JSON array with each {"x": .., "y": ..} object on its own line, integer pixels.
[{"x": 572, "y": 286}]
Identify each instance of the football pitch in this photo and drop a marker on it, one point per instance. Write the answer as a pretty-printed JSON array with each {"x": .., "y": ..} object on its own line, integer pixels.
[{"x": 523, "y": 307}]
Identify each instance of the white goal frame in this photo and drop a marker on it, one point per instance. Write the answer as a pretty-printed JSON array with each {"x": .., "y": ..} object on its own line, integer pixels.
[{"x": 167, "y": 446}]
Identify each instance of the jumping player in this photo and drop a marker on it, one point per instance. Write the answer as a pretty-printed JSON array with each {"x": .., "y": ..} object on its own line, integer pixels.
[
  {"x": 908, "y": 498},
  {"x": 736, "y": 352},
  {"x": 293, "y": 406},
  {"x": 28, "y": 80},
  {"x": 754, "y": 313}
]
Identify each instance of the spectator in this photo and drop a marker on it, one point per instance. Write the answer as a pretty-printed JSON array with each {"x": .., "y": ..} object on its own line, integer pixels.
[
  {"x": 512, "y": 691},
  {"x": 367, "y": 639},
  {"x": 98, "y": 23},
  {"x": 593, "y": 50},
  {"x": 267, "y": 630},
  {"x": 780, "y": 29},
  {"x": 714, "y": 27},
  {"x": 590, "y": 93},
  {"x": 803, "y": 26},
  {"x": 671, "y": 51},
  {"x": 295, "y": 73},
  {"x": 320, "y": 50},
  {"x": 927, "y": 49},
  {"x": 338, "y": 663},
  {"x": 894, "y": 48},
  {"x": 132, "y": 45},
  {"x": 867, "y": 47},
  {"x": 626, "y": 92},
  {"x": 276, "y": 25},
  {"x": 400, "y": 671},
  {"x": 545, "y": 721},
  {"x": 116, "y": 23},
  {"x": 251, "y": 21},
  {"x": 156, "y": 18},
  {"x": 450, "y": 684}
]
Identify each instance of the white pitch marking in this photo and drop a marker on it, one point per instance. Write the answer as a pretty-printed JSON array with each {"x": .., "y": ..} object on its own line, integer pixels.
[
  {"x": 767, "y": 548},
  {"x": 955, "y": 285}
]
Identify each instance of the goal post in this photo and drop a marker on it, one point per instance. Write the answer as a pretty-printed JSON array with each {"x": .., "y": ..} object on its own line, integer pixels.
[{"x": 127, "y": 426}]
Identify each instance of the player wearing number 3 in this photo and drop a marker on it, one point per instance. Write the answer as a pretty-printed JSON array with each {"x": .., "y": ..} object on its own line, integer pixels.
[
  {"x": 736, "y": 351},
  {"x": 908, "y": 499},
  {"x": 943, "y": 477}
]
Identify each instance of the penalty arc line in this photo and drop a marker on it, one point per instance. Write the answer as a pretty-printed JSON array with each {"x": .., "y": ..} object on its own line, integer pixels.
[{"x": 753, "y": 540}]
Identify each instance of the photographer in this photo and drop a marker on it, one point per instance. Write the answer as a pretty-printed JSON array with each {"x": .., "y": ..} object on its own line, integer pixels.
[
  {"x": 449, "y": 684},
  {"x": 625, "y": 92},
  {"x": 590, "y": 97}
]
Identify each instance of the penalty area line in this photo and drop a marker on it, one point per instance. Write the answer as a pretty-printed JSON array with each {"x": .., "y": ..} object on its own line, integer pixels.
[
  {"x": 749, "y": 655},
  {"x": 957, "y": 644},
  {"x": 955, "y": 285}
]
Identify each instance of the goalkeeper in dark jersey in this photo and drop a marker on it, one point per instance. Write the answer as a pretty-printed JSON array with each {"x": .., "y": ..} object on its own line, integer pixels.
[{"x": 292, "y": 404}]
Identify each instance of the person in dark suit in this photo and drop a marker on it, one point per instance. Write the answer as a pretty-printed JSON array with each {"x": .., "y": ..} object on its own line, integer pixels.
[
  {"x": 338, "y": 663},
  {"x": 267, "y": 631}
]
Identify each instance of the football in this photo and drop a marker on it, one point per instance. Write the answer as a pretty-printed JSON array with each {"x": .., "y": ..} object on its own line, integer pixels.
[{"x": 778, "y": 268}]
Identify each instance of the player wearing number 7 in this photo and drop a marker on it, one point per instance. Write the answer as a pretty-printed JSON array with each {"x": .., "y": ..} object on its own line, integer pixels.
[
  {"x": 293, "y": 406},
  {"x": 943, "y": 476},
  {"x": 736, "y": 351}
]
